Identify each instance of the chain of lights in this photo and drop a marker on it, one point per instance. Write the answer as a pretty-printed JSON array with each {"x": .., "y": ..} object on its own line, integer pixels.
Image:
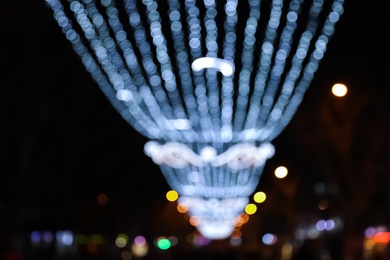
[{"x": 210, "y": 83}]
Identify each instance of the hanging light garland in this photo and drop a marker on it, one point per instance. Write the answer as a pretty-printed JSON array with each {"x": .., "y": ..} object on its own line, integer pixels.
[{"x": 211, "y": 84}]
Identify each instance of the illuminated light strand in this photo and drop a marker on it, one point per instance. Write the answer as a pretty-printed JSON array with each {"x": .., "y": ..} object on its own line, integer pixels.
[
  {"x": 264, "y": 66},
  {"x": 105, "y": 50},
  {"x": 247, "y": 63},
  {"x": 279, "y": 65},
  {"x": 195, "y": 44},
  {"x": 182, "y": 62},
  {"x": 163, "y": 57},
  {"x": 154, "y": 98},
  {"x": 310, "y": 69},
  {"x": 159, "y": 97},
  {"x": 235, "y": 171},
  {"x": 103, "y": 31},
  {"x": 130, "y": 111},
  {"x": 229, "y": 51},
  {"x": 213, "y": 85}
]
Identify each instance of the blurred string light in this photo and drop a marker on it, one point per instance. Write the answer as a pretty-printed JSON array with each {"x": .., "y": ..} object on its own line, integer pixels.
[{"x": 209, "y": 91}]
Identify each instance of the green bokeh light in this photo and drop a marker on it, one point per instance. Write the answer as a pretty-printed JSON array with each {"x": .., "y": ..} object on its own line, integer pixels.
[{"x": 164, "y": 243}]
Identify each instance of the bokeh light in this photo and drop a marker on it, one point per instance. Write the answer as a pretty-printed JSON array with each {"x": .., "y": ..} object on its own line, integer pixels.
[
  {"x": 369, "y": 232},
  {"x": 182, "y": 207},
  {"x": 121, "y": 240},
  {"x": 195, "y": 220},
  {"x": 235, "y": 241},
  {"x": 172, "y": 195},
  {"x": 173, "y": 240},
  {"x": 323, "y": 204},
  {"x": 140, "y": 240},
  {"x": 64, "y": 237},
  {"x": 102, "y": 199},
  {"x": 287, "y": 251},
  {"x": 339, "y": 90},
  {"x": 35, "y": 237},
  {"x": 269, "y": 239},
  {"x": 239, "y": 221},
  {"x": 48, "y": 237},
  {"x": 245, "y": 217},
  {"x": 97, "y": 239},
  {"x": 281, "y": 172},
  {"x": 259, "y": 197},
  {"x": 163, "y": 243},
  {"x": 126, "y": 255},
  {"x": 139, "y": 248},
  {"x": 250, "y": 209}
]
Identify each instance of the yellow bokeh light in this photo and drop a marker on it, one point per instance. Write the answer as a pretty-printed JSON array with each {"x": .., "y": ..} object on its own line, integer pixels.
[
  {"x": 259, "y": 197},
  {"x": 120, "y": 242},
  {"x": 172, "y": 195},
  {"x": 139, "y": 250},
  {"x": 250, "y": 209},
  {"x": 369, "y": 244},
  {"x": 287, "y": 250},
  {"x": 339, "y": 90},
  {"x": 281, "y": 172}
]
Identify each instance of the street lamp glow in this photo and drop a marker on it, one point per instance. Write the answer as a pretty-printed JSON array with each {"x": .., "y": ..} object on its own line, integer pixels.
[
  {"x": 281, "y": 172},
  {"x": 339, "y": 90}
]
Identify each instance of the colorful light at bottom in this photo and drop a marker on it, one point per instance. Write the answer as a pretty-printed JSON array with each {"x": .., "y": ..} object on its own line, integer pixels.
[
  {"x": 163, "y": 243},
  {"x": 250, "y": 209}
]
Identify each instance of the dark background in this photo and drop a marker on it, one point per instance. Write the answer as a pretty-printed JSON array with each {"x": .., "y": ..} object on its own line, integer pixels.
[{"x": 62, "y": 143}]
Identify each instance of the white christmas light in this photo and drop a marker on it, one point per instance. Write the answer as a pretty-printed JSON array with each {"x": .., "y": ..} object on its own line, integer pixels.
[{"x": 210, "y": 83}]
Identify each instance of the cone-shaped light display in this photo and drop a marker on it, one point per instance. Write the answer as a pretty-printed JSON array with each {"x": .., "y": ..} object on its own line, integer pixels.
[{"x": 210, "y": 83}]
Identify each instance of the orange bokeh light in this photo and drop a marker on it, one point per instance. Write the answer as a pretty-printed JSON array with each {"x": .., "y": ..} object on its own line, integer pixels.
[
  {"x": 182, "y": 207},
  {"x": 382, "y": 237},
  {"x": 102, "y": 199}
]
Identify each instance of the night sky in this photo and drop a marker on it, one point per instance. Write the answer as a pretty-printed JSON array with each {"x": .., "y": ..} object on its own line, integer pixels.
[{"x": 62, "y": 143}]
